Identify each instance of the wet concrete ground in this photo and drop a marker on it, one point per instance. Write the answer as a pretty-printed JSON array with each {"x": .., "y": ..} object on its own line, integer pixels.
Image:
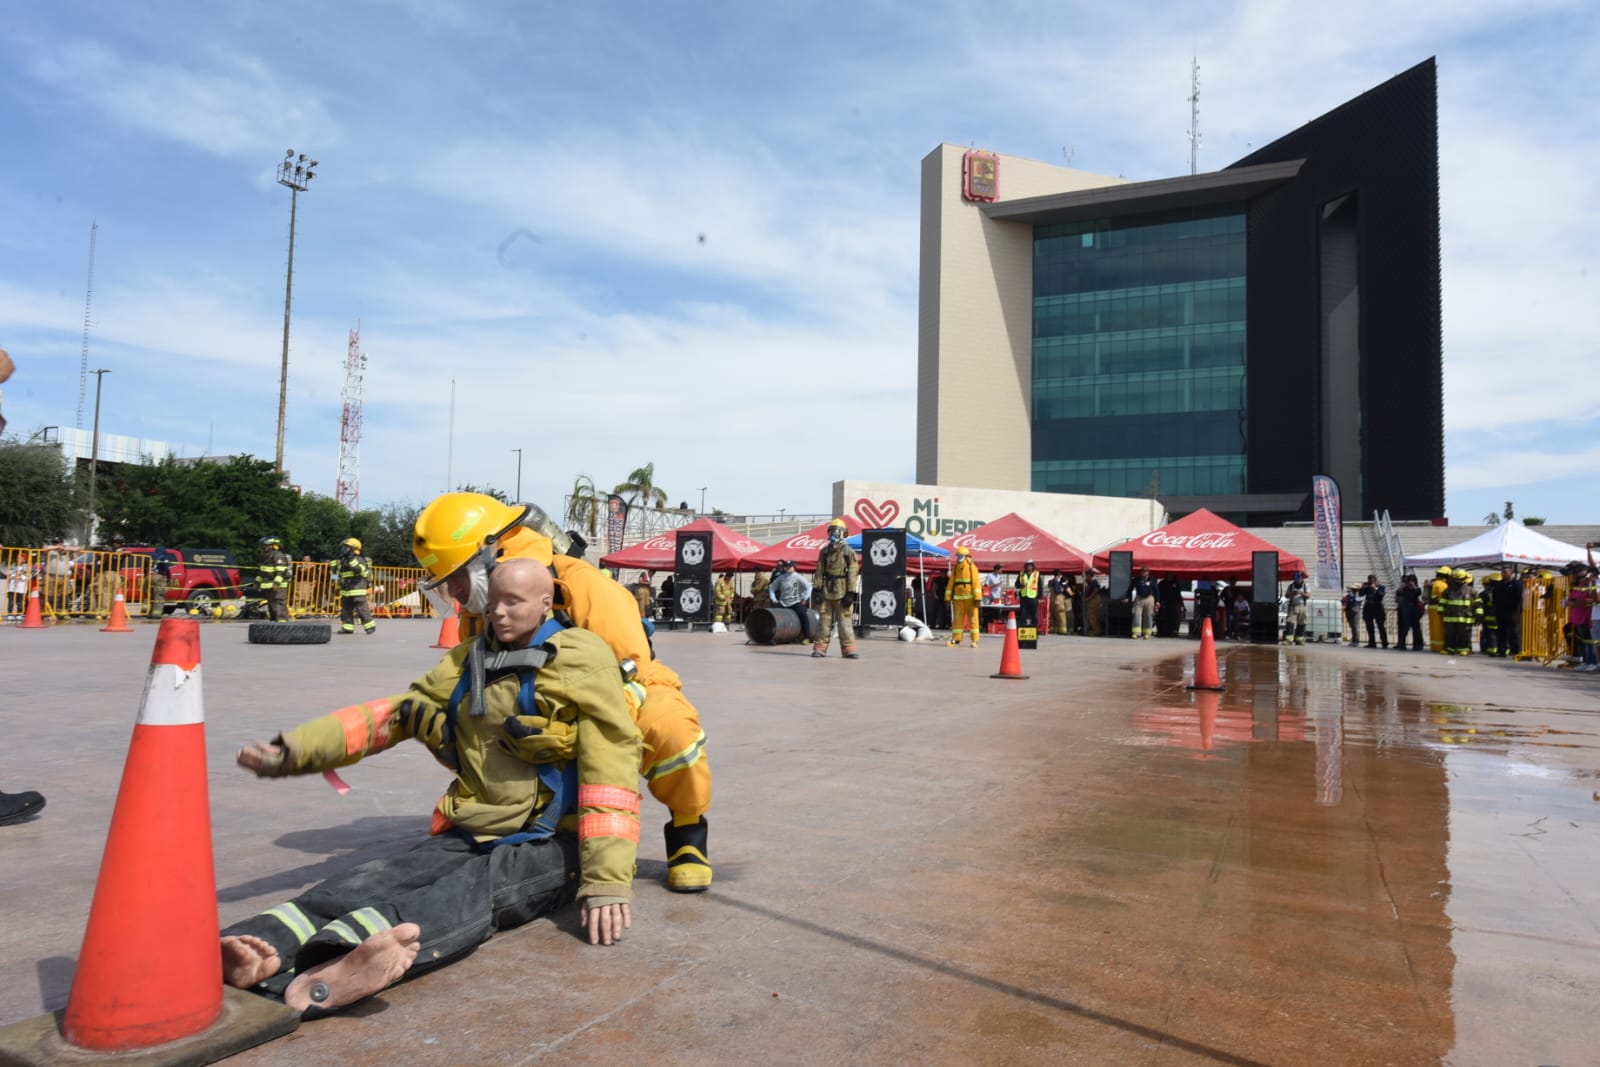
[{"x": 1349, "y": 857}]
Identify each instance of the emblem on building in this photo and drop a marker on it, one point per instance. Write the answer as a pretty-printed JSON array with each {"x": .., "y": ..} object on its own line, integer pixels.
[{"x": 980, "y": 176}]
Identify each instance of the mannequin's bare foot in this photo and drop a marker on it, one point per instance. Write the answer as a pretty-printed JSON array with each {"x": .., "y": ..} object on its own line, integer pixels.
[
  {"x": 374, "y": 965},
  {"x": 247, "y": 960}
]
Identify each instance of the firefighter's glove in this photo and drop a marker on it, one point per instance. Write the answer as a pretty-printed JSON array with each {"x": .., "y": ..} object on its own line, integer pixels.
[
  {"x": 432, "y": 726},
  {"x": 268, "y": 759},
  {"x": 535, "y": 739}
]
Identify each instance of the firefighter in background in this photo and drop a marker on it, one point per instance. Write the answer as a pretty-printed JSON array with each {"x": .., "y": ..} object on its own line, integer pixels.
[
  {"x": 1508, "y": 613},
  {"x": 758, "y": 591},
  {"x": 1294, "y": 622},
  {"x": 836, "y": 581},
  {"x": 1460, "y": 605},
  {"x": 1489, "y": 623},
  {"x": 352, "y": 573},
  {"x": 961, "y": 592},
  {"x": 722, "y": 599},
  {"x": 275, "y": 564},
  {"x": 460, "y": 537},
  {"x": 1028, "y": 596},
  {"x": 1436, "y": 594}
]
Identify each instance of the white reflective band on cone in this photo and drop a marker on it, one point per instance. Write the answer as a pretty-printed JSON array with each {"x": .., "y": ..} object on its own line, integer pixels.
[{"x": 172, "y": 697}]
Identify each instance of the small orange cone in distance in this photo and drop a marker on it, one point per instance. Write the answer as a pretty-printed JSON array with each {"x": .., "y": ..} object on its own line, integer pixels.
[
  {"x": 119, "y": 617},
  {"x": 450, "y": 628},
  {"x": 1011, "y": 655},
  {"x": 1205, "y": 664},
  {"x": 33, "y": 618},
  {"x": 150, "y": 971}
]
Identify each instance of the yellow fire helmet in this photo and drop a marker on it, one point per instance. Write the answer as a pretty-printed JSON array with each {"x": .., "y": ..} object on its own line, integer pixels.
[
  {"x": 963, "y": 550},
  {"x": 452, "y": 529},
  {"x": 1491, "y": 577},
  {"x": 352, "y": 543},
  {"x": 839, "y": 523},
  {"x": 1447, "y": 572}
]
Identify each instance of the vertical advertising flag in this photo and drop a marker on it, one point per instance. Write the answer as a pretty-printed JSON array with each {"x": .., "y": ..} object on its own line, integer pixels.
[
  {"x": 1328, "y": 519},
  {"x": 616, "y": 522}
]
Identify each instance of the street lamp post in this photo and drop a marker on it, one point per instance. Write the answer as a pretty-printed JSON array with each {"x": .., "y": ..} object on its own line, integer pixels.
[
  {"x": 702, "y": 500},
  {"x": 94, "y": 454},
  {"x": 297, "y": 175},
  {"x": 518, "y": 497}
]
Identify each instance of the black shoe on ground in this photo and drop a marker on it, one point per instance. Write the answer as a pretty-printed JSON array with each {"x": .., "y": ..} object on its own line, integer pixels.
[
  {"x": 16, "y": 807},
  {"x": 818, "y": 655}
]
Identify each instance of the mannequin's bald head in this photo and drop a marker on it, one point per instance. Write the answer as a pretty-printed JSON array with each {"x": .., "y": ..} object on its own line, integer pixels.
[{"x": 520, "y": 593}]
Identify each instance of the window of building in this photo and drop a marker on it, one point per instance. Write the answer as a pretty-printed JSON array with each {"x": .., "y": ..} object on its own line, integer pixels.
[{"x": 1139, "y": 354}]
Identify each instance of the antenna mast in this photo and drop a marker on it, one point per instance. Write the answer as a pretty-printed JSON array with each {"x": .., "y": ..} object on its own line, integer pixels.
[
  {"x": 88, "y": 303},
  {"x": 348, "y": 489},
  {"x": 1194, "y": 115}
]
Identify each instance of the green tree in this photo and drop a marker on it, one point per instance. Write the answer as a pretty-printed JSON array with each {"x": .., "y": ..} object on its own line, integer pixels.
[
  {"x": 386, "y": 533},
  {"x": 321, "y": 524},
  {"x": 640, "y": 490},
  {"x": 39, "y": 498},
  {"x": 585, "y": 505},
  {"x": 230, "y": 504}
]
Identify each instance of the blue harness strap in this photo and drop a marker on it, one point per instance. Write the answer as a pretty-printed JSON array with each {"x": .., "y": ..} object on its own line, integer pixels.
[{"x": 560, "y": 779}]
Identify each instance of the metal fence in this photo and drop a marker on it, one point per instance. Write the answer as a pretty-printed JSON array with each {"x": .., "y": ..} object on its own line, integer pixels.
[{"x": 82, "y": 584}]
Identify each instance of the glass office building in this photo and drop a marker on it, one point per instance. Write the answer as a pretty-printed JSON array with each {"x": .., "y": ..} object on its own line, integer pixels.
[
  {"x": 1212, "y": 340},
  {"x": 1139, "y": 354}
]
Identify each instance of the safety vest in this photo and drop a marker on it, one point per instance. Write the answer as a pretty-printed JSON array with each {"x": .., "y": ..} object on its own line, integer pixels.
[{"x": 1028, "y": 585}]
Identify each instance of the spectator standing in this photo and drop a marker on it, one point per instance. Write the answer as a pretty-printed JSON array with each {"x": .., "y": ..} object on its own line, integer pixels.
[
  {"x": 17, "y": 581},
  {"x": 1508, "y": 612},
  {"x": 994, "y": 584},
  {"x": 1374, "y": 613},
  {"x": 938, "y": 613},
  {"x": 1169, "y": 607},
  {"x": 1028, "y": 596},
  {"x": 1408, "y": 613},
  {"x": 59, "y": 586}
]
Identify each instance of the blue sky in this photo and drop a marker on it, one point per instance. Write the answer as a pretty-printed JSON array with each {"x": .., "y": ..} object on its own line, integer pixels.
[{"x": 687, "y": 233}]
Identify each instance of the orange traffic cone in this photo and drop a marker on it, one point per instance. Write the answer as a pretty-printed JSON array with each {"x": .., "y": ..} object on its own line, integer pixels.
[
  {"x": 150, "y": 971},
  {"x": 33, "y": 618},
  {"x": 1205, "y": 664},
  {"x": 450, "y": 628},
  {"x": 1011, "y": 655},
  {"x": 119, "y": 616}
]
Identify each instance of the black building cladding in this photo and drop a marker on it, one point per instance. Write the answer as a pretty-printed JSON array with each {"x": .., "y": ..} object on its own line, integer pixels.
[
  {"x": 1343, "y": 305},
  {"x": 1229, "y": 367}
]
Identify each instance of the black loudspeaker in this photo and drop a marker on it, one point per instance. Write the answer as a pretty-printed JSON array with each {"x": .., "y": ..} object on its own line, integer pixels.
[
  {"x": 691, "y": 577},
  {"x": 883, "y": 578},
  {"x": 1264, "y": 598},
  {"x": 1119, "y": 615}
]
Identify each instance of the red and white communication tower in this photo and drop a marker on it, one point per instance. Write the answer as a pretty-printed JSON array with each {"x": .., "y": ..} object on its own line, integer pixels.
[{"x": 348, "y": 491}]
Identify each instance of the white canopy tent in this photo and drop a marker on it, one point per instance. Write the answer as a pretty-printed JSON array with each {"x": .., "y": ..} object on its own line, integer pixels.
[{"x": 1511, "y": 542}]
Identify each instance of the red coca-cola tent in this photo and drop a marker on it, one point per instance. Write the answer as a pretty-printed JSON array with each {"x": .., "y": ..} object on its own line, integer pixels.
[
  {"x": 802, "y": 547},
  {"x": 1200, "y": 545},
  {"x": 730, "y": 551},
  {"x": 1011, "y": 541}
]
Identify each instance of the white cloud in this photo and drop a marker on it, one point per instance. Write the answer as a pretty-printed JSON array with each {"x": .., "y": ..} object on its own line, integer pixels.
[{"x": 235, "y": 106}]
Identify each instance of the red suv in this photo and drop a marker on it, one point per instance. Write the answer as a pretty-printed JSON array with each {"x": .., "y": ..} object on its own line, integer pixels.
[{"x": 199, "y": 578}]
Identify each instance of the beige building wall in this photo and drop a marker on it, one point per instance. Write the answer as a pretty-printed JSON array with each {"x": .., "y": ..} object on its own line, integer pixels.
[{"x": 975, "y": 324}]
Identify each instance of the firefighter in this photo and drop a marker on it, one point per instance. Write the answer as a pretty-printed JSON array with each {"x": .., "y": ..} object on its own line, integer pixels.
[
  {"x": 722, "y": 599},
  {"x": 352, "y": 572},
  {"x": 1489, "y": 622},
  {"x": 836, "y": 582},
  {"x": 758, "y": 591},
  {"x": 1436, "y": 594},
  {"x": 461, "y": 537},
  {"x": 961, "y": 592},
  {"x": 275, "y": 565},
  {"x": 536, "y": 722},
  {"x": 1458, "y": 606},
  {"x": 1298, "y": 597}
]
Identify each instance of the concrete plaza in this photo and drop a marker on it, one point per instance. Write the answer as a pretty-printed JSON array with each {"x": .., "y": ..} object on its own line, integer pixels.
[{"x": 1350, "y": 857}]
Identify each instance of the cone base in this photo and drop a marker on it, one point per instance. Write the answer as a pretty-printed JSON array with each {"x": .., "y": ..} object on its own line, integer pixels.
[
  {"x": 1013, "y": 677},
  {"x": 246, "y": 1021},
  {"x": 1207, "y": 688}
]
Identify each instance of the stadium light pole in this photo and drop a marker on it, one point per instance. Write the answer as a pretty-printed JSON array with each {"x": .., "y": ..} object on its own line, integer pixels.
[
  {"x": 94, "y": 455},
  {"x": 518, "y": 498},
  {"x": 296, "y": 173}
]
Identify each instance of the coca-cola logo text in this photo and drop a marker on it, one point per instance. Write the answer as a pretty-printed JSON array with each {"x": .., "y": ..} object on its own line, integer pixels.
[
  {"x": 1002, "y": 544},
  {"x": 1208, "y": 539}
]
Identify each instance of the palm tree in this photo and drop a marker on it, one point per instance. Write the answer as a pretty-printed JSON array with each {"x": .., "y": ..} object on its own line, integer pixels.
[
  {"x": 640, "y": 489},
  {"x": 585, "y": 505}
]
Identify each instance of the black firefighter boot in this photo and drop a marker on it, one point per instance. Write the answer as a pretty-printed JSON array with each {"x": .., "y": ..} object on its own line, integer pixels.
[
  {"x": 15, "y": 807},
  {"x": 688, "y": 869}
]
